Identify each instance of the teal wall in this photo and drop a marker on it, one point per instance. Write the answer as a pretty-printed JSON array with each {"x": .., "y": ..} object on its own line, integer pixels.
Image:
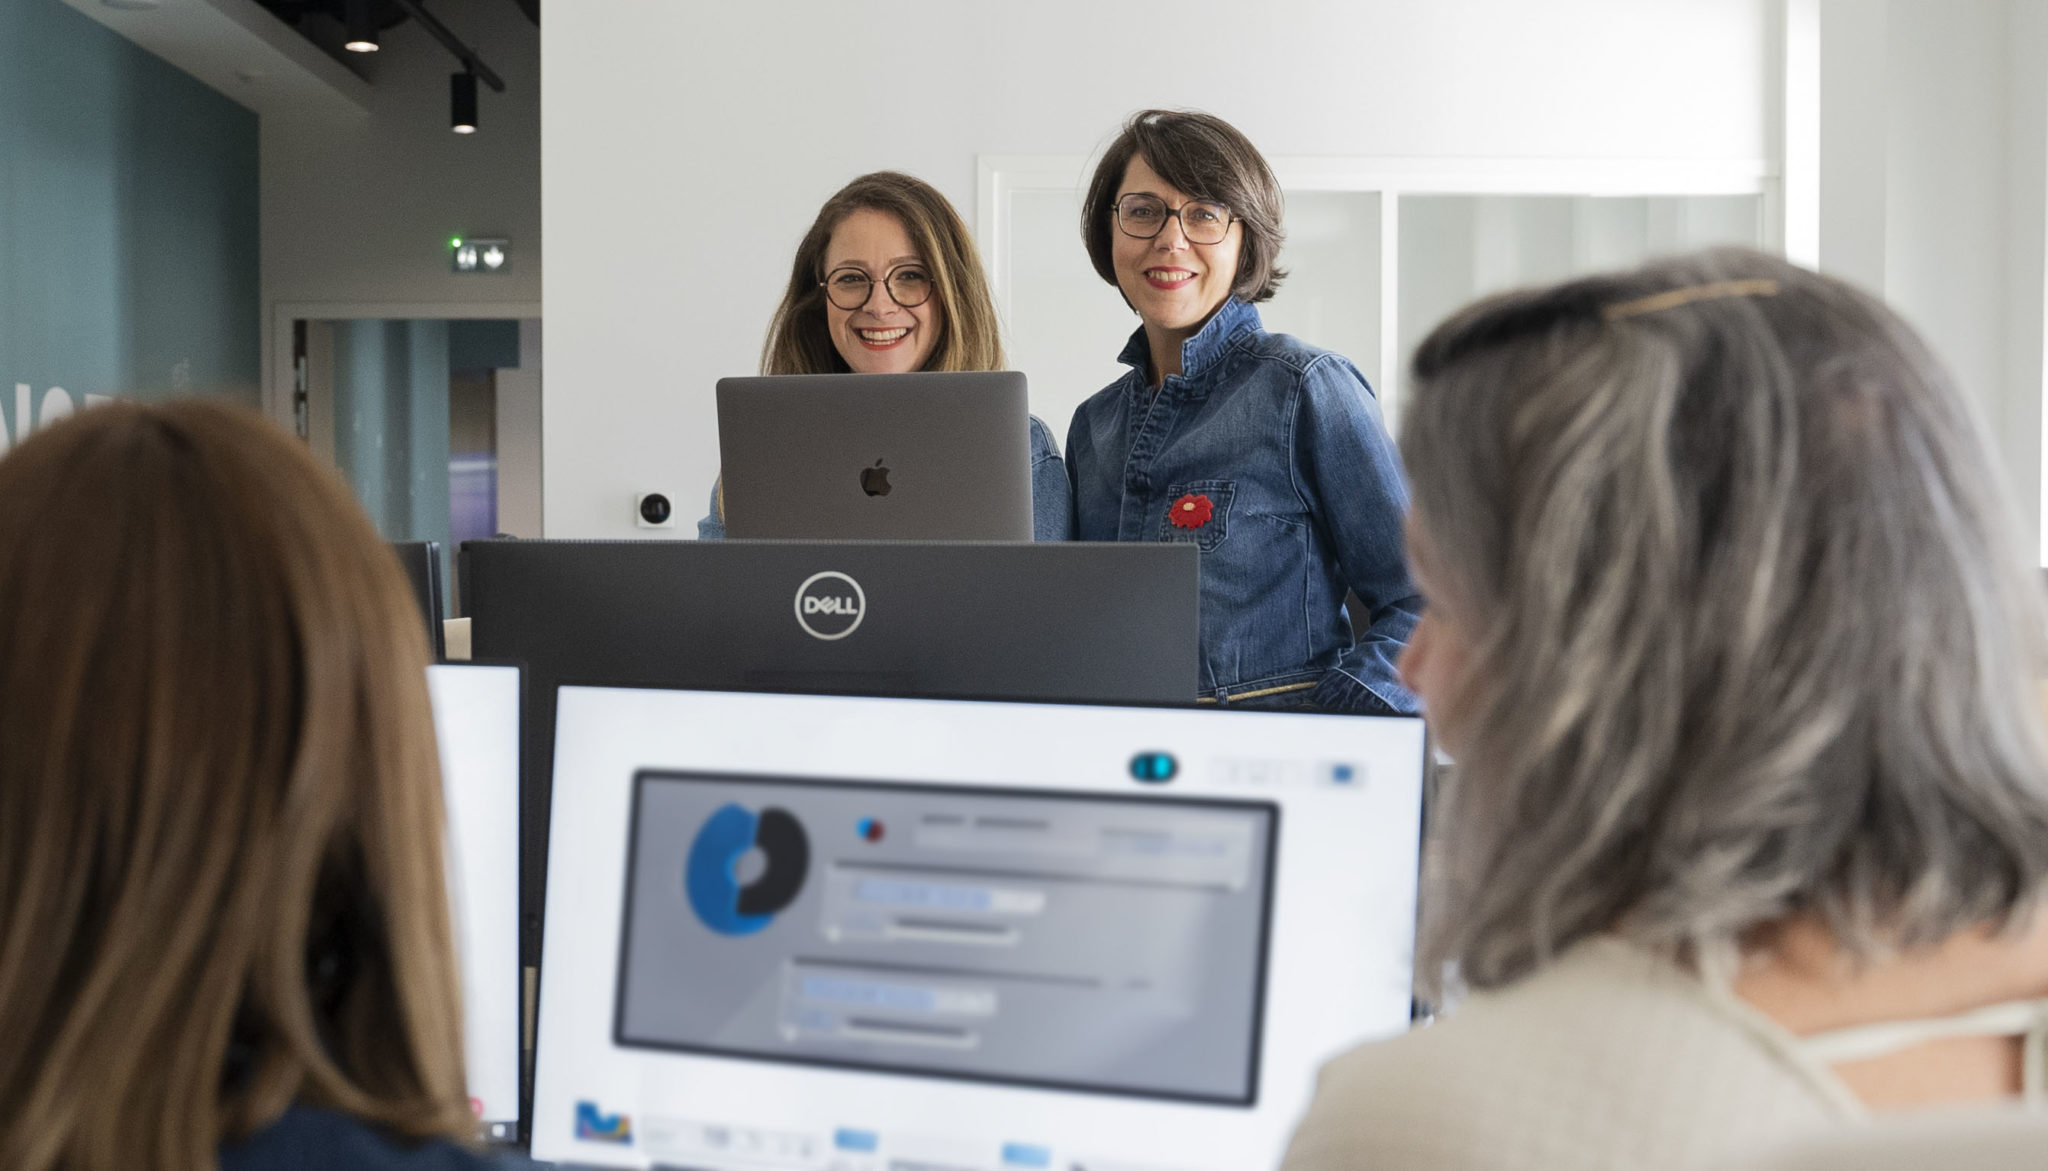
[
  {"x": 128, "y": 222},
  {"x": 391, "y": 423},
  {"x": 485, "y": 344}
]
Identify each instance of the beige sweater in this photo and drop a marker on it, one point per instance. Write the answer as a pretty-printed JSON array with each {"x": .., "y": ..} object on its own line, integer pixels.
[{"x": 1610, "y": 1058}]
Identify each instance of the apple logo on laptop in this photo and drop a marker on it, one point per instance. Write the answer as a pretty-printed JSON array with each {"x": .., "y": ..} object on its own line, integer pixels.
[{"x": 875, "y": 480}]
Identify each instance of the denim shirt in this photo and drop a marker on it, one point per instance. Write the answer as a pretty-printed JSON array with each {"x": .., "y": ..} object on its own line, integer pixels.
[
  {"x": 1297, "y": 496},
  {"x": 1052, "y": 503}
]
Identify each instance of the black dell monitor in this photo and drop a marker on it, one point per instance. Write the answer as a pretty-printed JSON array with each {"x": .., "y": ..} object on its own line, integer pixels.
[
  {"x": 422, "y": 562},
  {"x": 1099, "y": 623}
]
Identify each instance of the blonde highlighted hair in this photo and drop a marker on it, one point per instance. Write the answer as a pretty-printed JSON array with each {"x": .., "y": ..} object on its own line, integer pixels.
[
  {"x": 969, "y": 337},
  {"x": 220, "y": 809},
  {"x": 1752, "y": 635}
]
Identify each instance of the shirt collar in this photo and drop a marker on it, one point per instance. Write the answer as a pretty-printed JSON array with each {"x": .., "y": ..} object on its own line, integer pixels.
[{"x": 1203, "y": 349}]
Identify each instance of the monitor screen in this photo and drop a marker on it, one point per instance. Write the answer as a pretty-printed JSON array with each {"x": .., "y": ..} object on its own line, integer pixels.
[
  {"x": 943, "y": 929},
  {"x": 824, "y": 931},
  {"x": 476, "y": 722}
]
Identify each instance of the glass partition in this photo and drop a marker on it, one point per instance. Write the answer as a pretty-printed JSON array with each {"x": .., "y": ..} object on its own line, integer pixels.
[
  {"x": 1378, "y": 253},
  {"x": 1455, "y": 248},
  {"x": 1331, "y": 297}
]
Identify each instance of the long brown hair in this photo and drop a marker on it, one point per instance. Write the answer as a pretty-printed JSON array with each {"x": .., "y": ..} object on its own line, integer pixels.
[
  {"x": 969, "y": 338},
  {"x": 220, "y": 807}
]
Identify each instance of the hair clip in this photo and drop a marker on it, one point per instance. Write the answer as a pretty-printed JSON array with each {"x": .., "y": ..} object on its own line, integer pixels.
[{"x": 1673, "y": 298}]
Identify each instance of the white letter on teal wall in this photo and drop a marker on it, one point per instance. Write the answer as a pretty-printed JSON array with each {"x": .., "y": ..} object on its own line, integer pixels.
[{"x": 56, "y": 405}]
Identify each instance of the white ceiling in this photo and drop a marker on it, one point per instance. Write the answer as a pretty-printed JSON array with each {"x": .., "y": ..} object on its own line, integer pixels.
[{"x": 240, "y": 49}]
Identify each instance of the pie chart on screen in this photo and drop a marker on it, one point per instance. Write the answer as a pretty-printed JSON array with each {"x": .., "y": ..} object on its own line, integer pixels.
[{"x": 711, "y": 875}]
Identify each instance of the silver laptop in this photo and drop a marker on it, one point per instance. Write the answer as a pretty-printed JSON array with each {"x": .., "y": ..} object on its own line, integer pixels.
[{"x": 923, "y": 457}]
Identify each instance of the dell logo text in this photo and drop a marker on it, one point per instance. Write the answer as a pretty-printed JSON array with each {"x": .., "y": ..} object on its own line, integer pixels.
[{"x": 830, "y": 605}]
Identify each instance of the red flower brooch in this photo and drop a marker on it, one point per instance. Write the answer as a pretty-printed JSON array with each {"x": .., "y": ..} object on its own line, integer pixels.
[{"x": 1191, "y": 511}]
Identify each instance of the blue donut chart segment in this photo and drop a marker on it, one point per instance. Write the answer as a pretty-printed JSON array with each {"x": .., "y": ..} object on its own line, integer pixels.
[{"x": 710, "y": 880}]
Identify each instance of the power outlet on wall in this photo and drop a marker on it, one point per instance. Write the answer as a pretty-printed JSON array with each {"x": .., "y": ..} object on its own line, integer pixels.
[{"x": 654, "y": 510}]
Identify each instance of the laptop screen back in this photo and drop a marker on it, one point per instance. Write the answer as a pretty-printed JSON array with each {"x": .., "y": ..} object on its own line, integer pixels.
[{"x": 917, "y": 457}]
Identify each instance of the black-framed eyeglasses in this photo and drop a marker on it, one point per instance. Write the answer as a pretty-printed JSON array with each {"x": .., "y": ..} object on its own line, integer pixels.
[
  {"x": 909, "y": 285},
  {"x": 1202, "y": 221}
]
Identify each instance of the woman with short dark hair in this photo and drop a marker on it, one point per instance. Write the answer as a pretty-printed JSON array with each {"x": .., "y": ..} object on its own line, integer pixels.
[
  {"x": 887, "y": 281},
  {"x": 1264, "y": 451},
  {"x": 224, "y": 935},
  {"x": 1730, "y": 633}
]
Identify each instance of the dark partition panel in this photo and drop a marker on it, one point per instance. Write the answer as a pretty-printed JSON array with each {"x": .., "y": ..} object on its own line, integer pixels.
[{"x": 422, "y": 562}]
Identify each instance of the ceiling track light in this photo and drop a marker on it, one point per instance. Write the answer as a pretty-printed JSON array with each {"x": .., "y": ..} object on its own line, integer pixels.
[
  {"x": 449, "y": 41},
  {"x": 359, "y": 17},
  {"x": 462, "y": 102}
]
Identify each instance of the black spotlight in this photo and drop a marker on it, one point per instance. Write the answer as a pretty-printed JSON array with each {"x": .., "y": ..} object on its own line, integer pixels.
[
  {"x": 462, "y": 102},
  {"x": 360, "y": 19}
]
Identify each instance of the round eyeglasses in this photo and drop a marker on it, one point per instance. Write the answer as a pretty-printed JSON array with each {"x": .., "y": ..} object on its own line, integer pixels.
[
  {"x": 909, "y": 285},
  {"x": 1202, "y": 221}
]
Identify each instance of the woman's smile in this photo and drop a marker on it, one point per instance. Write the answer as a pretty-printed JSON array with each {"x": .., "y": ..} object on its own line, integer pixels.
[
  {"x": 1170, "y": 277},
  {"x": 882, "y": 339}
]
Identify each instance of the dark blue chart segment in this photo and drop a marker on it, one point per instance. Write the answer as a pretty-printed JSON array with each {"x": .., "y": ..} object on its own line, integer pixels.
[{"x": 711, "y": 875}]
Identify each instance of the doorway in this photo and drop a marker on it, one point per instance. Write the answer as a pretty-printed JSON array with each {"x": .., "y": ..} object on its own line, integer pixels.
[{"x": 434, "y": 422}]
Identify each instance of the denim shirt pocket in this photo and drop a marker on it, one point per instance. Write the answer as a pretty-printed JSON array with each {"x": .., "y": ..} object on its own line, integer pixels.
[{"x": 1210, "y": 533}]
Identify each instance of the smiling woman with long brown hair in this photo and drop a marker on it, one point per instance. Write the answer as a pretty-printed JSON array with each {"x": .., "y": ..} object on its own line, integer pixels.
[
  {"x": 224, "y": 938},
  {"x": 887, "y": 281}
]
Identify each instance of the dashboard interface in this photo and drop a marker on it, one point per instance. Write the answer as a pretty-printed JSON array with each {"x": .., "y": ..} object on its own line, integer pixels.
[{"x": 1077, "y": 941}]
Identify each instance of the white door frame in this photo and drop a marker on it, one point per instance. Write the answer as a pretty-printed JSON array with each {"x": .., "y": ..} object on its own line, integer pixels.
[{"x": 998, "y": 179}]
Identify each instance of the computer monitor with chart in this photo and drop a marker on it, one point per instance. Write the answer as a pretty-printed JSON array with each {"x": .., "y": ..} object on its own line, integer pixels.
[{"x": 830, "y": 931}]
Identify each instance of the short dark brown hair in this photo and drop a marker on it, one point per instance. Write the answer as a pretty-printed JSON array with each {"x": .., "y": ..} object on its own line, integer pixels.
[{"x": 1207, "y": 158}]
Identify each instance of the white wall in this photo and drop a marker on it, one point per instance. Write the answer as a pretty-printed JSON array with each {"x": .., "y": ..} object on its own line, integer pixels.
[
  {"x": 1945, "y": 195},
  {"x": 2026, "y": 252},
  {"x": 519, "y": 438},
  {"x": 1855, "y": 99},
  {"x": 1934, "y": 193},
  {"x": 358, "y": 210},
  {"x": 714, "y": 132}
]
